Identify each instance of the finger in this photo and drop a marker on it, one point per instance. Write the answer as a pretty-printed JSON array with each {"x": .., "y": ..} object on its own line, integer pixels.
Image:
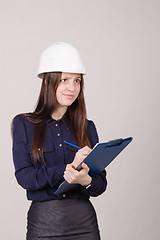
[
  {"x": 68, "y": 176},
  {"x": 67, "y": 179},
  {"x": 68, "y": 166},
  {"x": 87, "y": 149},
  {"x": 72, "y": 172},
  {"x": 81, "y": 156},
  {"x": 71, "y": 176},
  {"x": 84, "y": 166},
  {"x": 84, "y": 150}
]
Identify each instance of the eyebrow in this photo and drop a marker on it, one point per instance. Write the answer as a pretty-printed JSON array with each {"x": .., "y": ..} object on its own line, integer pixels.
[{"x": 70, "y": 77}]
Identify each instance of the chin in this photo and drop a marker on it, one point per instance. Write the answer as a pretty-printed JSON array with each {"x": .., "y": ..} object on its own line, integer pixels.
[{"x": 69, "y": 103}]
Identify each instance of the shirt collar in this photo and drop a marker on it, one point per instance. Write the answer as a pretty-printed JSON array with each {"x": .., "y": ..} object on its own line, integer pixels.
[{"x": 63, "y": 119}]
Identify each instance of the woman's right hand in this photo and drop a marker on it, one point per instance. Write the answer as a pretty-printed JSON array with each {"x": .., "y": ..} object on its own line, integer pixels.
[{"x": 81, "y": 155}]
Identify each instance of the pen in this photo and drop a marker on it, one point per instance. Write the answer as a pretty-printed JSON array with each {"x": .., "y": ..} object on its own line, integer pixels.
[{"x": 72, "y": 145}]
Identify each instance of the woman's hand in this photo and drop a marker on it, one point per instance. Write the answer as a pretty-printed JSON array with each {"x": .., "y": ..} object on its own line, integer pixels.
[
  {"x": 71, "y": 175},
  {"x": 81, "y": 155}
]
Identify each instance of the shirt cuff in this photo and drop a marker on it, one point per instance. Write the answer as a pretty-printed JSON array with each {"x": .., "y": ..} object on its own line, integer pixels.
[{"x": 88, "y": 190}]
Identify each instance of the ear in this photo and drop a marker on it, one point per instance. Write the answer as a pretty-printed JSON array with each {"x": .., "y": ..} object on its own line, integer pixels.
[{"x": 45, "y": 80}]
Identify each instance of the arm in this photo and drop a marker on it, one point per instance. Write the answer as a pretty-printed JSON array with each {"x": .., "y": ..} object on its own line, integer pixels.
[
  {"x": 97, "y": 183},
  {"x": 28, "y": 175}
]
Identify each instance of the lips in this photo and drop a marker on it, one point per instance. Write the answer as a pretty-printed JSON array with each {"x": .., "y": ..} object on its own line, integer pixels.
[{"x": 69, "y": 96}]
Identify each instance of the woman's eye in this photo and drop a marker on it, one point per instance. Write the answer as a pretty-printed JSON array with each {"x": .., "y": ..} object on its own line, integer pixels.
[
  {"x": 78, "y": 81},
  {"x": 63, "y": 80}
]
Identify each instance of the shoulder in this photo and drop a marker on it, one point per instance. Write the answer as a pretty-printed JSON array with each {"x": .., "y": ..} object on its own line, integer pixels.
[
  {"x": 22, "y": 128},
  {"x": 92, "y": 133},
  {"x": 21, "y": 119},
  {"x": 18, "y": 118},
  {"x": 91, "y": 124}
]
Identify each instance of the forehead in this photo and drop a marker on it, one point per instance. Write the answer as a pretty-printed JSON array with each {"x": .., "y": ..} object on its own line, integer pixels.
[{"x": 71, "y": 75}]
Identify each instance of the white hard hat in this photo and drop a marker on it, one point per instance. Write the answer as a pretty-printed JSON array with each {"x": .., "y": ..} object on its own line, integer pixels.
[{"x": 60, "y": 57}]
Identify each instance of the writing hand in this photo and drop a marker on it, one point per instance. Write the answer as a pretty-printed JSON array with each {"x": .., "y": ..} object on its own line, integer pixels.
[{"x": 81, "y": 155}]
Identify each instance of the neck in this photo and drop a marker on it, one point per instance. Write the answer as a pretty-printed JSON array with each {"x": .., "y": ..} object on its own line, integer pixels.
[{"x": 59, "y": 113}]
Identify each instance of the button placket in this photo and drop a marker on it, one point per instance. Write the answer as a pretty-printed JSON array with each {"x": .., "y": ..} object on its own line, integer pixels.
[
  {"x": 59, "y": 135},
  {"x": 56, "y": 137}
]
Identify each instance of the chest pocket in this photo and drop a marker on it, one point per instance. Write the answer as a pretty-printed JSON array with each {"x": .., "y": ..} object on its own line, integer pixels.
[
  {"x": 48, "y": 152},
  {"x": 48, "y": 148}
]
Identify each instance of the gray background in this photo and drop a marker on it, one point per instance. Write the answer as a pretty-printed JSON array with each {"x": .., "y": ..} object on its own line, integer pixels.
[{"x": 119, "y": 41}]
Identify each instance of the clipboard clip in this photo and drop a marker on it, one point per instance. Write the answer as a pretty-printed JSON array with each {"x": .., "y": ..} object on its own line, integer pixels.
[{"x": 114, "y": 142}]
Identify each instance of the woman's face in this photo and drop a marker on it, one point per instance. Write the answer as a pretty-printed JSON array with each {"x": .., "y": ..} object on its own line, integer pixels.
[{"x": 68, "y": 89}]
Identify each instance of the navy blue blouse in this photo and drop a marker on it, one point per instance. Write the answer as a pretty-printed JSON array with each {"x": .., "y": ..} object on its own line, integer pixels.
[{"x": 41, "y": 180}]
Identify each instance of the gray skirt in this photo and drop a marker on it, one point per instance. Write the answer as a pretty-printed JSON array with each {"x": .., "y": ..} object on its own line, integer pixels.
[{"x": 66, "y": 219}]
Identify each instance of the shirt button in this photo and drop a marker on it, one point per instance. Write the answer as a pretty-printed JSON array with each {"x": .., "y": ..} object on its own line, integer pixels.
[
  {"x": 64, "y": 195},
  {"x": 56, "y": 124},
  {"x": 58, "y": 134},
  {"x": 60, "y": 145}
]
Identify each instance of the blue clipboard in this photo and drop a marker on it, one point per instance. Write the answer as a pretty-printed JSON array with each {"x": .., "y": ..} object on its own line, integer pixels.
[{"x": 99, "y": 158}]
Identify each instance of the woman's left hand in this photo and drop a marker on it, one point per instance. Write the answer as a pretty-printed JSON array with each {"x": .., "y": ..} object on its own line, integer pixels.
[{"x": 71, "y": 175}]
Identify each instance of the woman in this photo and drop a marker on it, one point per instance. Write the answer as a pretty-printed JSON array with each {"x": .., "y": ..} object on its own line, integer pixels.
[{"x": 43, "y": 161}]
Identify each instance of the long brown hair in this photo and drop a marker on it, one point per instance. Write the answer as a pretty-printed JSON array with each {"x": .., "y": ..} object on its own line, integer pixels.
[{"x": 45, "y": 107}]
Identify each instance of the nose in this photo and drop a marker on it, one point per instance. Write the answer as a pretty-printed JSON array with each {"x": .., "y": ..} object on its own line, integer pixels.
[{"x": 71, "y": 86}]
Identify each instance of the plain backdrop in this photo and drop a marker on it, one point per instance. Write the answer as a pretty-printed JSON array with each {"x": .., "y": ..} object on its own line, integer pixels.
[{"x": 119, "y": 41}]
